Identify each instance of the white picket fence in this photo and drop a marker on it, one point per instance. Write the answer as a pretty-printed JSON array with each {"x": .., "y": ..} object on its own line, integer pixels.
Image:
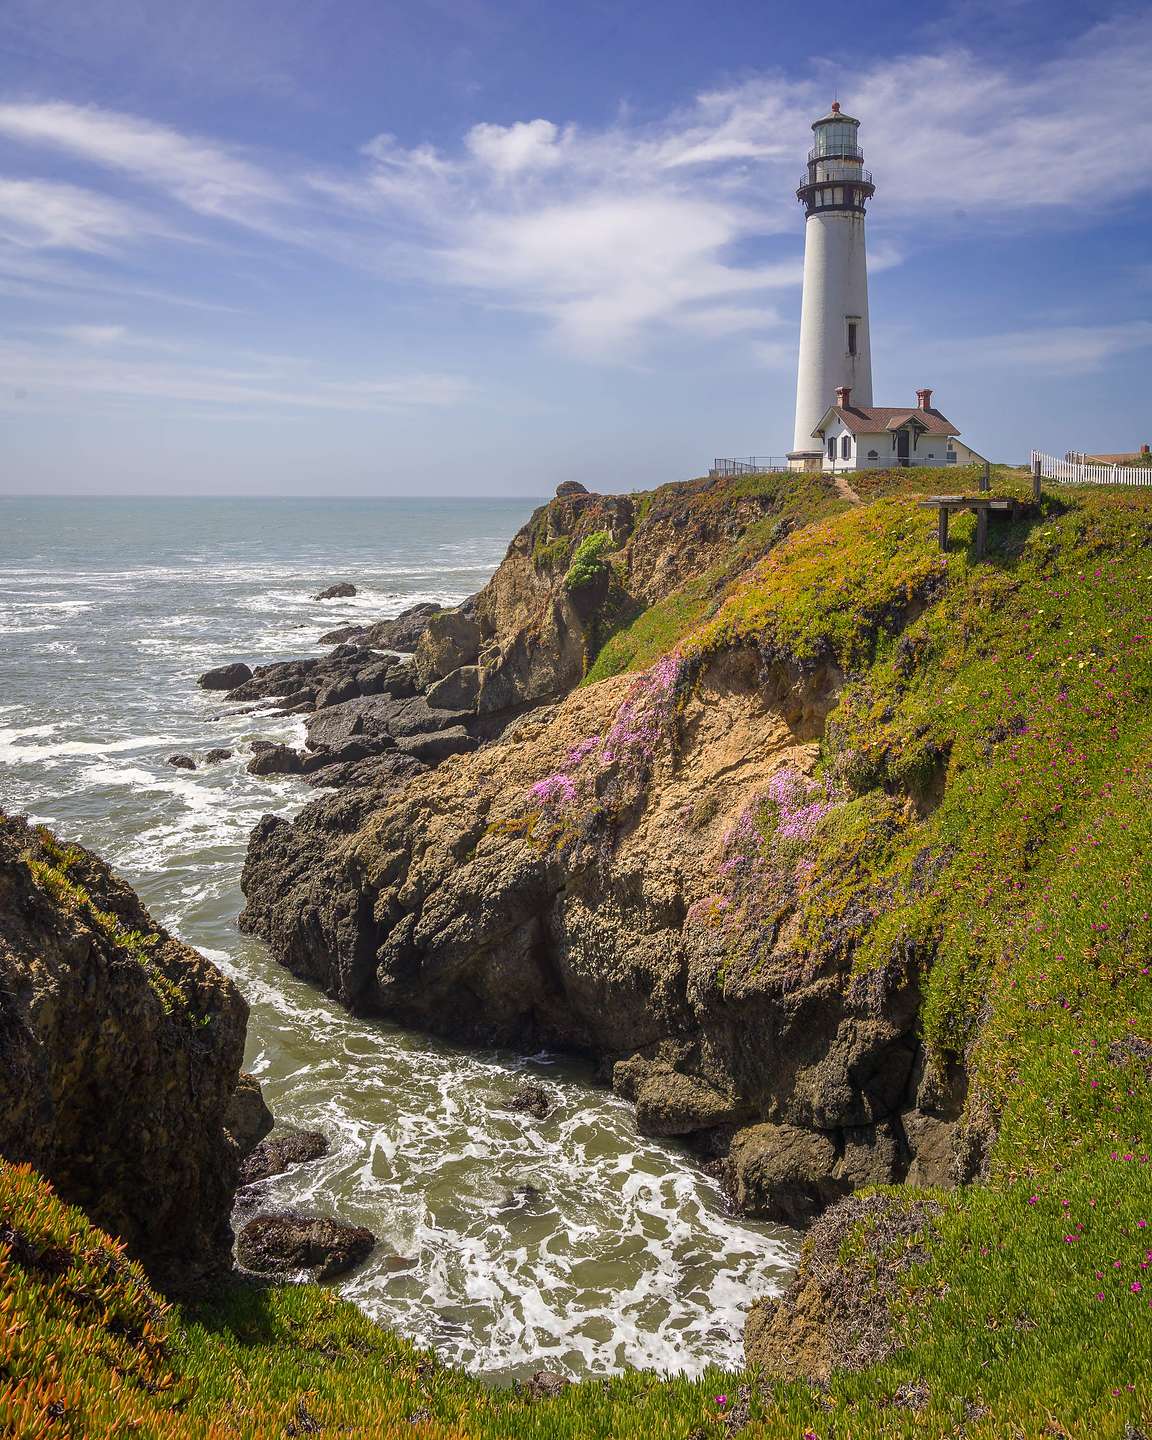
[{"x": 1078, "y": 471}]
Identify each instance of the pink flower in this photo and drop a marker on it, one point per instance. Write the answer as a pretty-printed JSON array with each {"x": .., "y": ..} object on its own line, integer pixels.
[{"x": 721, "y": 1399}]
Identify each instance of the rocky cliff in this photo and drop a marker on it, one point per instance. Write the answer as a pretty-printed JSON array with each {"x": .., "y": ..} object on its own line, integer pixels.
[
  {"x": 586, "y": 879},
  {"x": 120, "y": 1049}
]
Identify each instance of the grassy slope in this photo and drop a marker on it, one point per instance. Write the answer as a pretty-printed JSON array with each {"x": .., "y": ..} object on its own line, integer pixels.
[{"x": 1012, "y": 698}]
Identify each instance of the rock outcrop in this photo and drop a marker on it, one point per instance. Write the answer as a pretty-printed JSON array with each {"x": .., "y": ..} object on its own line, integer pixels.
[
  {"x": 453, "y": 906},
  {"x": 284, "y": 1243},
  {"x": 120, "y": 1052}
]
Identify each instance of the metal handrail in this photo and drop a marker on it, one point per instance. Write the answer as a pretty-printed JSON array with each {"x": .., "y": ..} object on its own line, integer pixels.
[
  {"x": 856, "y": 177},
  {"x": 749, "y": 465},
  {"x": 852, "y": 153}
]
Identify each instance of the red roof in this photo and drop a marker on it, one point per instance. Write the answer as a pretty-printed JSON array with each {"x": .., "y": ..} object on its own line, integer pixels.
[{"x": 873, "y": 419}]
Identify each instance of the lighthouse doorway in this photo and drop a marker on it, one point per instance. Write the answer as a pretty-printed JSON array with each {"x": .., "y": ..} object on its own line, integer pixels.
[{"x": 902, "y": 447}]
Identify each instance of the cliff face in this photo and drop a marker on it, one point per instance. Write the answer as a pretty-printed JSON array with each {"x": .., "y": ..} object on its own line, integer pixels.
[
  {"x": 586, "y": 566},
  {"x": 120, "y": 1049}
]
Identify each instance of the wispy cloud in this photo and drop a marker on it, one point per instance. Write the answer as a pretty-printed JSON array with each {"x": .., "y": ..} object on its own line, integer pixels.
[
  {"x": 616, "y": 236},
  {"x": 41, "y": 374},
  {"x": 1047, "y": 350}
]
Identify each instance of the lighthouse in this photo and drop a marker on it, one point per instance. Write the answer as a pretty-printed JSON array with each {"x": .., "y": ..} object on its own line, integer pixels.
[{"x": 835, "y": 351}]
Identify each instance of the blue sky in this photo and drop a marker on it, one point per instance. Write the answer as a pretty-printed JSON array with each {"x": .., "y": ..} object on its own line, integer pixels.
[{"x": 482, "y": 246}]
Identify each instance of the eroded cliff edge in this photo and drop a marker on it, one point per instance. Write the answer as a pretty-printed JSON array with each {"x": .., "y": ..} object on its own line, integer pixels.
[
  {"x": 629, "y": 870},
  {"x": 120, "y": 1050}
]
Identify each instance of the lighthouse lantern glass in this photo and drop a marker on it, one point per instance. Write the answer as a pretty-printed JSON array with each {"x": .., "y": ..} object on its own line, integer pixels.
[{"x": 836, "y": 138}]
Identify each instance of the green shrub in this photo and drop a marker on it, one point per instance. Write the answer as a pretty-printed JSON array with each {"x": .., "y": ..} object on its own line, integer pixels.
[{"x": 588, "y": 562}]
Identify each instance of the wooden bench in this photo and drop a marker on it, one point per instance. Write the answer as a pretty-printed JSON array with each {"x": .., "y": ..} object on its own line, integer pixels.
[{"x": 983, "y": 505}]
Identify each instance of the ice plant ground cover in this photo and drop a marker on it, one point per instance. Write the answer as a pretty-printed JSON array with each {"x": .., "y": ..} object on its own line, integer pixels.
[{"x": 989, "y": 760}]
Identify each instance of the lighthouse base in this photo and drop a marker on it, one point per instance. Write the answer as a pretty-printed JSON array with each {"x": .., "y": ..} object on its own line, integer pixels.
[{"x": 805, "y": 459}]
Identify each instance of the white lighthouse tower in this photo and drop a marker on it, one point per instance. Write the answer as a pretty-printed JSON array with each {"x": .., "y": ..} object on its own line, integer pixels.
[{"x": 835, "y": 350}]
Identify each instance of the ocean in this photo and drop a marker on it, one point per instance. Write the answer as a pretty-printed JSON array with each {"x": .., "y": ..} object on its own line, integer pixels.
[{"x": 571, "y": 1243}]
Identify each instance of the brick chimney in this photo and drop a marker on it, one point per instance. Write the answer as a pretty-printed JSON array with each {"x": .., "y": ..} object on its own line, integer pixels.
[
  {"x": 1144, "y": 449},
  {"x": 924, "y": 399},
  {"x": 843, "y": 395}
]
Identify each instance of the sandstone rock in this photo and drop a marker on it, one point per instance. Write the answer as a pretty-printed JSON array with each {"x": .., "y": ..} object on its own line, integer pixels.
[
  {"x": 280, "y": 1151},
  {"x": 285, "y": 1243},
  {"x": 668, "y": 1103},
  {"x": 784, "y": 1173},
  {"x": 450, "y": 640},
  {"x": 225, "y": 677},
  {"x": 247, "y": 1119},
  {"x": 934, "y": 1143},
  {"x": 342, "y": 590},
  {"x": 214, "y": 757},
  {"x": 570, "y": 487},
  {"x": 116, "y": 1075},
  {"x": 182, "y": 762},
  {"x": 532, "y": 1099},
  {"x": 458, "y": 691}
]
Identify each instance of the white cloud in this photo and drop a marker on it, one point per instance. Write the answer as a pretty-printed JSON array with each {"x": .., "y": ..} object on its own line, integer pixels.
[
  {"x": 614, "y": 237},
  {"x": 93, "y": 334},
  {"x": 47, "y": 214},
  {"x": 202, "y": 175},
  {"x": 509, "y": 149}
]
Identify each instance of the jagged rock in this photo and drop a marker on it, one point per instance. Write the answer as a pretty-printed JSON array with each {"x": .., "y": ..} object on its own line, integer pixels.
[
  {"x": 182, "y": 762},
  {"x": 118, "y": 1061},
  {"x": 214, "y": 757},
  {"x": 271, "y": 682},
  {"x": 342, "y": 590},
  {"x": 225, "y": 677},
  {"x": 533, "y": 1100},
  {"x": 279, "y": 1152},
  {"x": 545, "y": 1385},
  {"x": 247, "y": 1119},
  {"x": 276, "y": 760},
  {"x": 669, "y": 1103},
  {"x": 373, "y": 716},
  {"x": 570, "y": 487},
  {"x": 401, "y": 634},
  {"x": 434, "y": 748},
  {"x": 458, "y": 691},
  {"x": 450, "y": 640},
  {"x": 784, "y": 1173},
  {"x": 285, "y": 1243}
]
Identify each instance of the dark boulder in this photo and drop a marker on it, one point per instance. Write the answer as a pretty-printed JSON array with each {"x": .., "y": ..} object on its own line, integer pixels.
[
  {"x": 432, "y": 749},
  {"x": 225, "y": 677},
  {"x": 532, "y": 1100},
  {"x": 247, "y": 1118},
  {"x": 343, "y": 590},
  {"x": 214, "y": 757},
  {"x": 570, "y": 487},
  {"x": 182, "y": 762},
  {"x": 402, "y": 633},
  {"x": 545, "y": 1385},
  {"x": 285, "y": 1243},
  {"x": 279, "y": 1152},
  {"x": 458, "y": 691},
  {"x": 276, "y": 760}
]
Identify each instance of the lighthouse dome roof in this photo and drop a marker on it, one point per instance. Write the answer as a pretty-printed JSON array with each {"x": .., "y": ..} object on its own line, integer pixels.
[{"x": 834, "y": 115}]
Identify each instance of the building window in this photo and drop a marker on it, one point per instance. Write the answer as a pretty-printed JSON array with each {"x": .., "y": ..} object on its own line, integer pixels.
[
  {"x": 832, "y": 447},
  {"x": 852, "y": 334},
  {"x": 845, "y": 446}
]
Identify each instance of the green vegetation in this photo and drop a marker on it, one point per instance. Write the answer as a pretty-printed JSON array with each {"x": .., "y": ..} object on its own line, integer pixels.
[
  {"x": 50, "y": 865},
  {"x": 985, "y": 816},
  {"x": 88, "y": 1349},
  {"x": 552, "y": 555},
  {"x": 588, "y": 562}
]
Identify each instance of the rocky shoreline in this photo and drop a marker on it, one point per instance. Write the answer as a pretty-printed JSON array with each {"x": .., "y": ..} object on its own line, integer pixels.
[{"x": 425, "y": 889}]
